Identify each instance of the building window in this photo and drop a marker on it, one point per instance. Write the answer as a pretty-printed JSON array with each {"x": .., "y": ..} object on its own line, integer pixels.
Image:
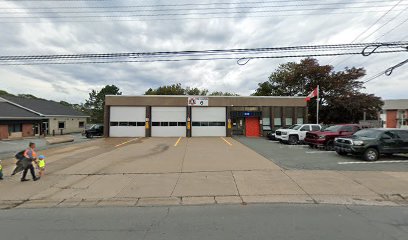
[
  {"x": 266, "y": 123},
  {"x": 81, "y": 124},
  {"x": 277, "y": 121},
  {"x": 288, "y": 116},
  {"x": 123, "y": 124},
  {"x": 15, "y": 128},
  {"x": 114, "y": 124},
  {"x": 61, "y": 125}
]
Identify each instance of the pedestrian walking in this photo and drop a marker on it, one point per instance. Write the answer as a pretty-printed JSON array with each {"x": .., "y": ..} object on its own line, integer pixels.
[
  {"x": 29, "y": 156},
  {"x": 41, "y": 165},
  {"x": 1, "y": 171}
]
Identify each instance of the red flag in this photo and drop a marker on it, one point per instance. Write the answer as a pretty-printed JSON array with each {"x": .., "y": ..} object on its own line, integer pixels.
[{"x": 313, "y": 94}]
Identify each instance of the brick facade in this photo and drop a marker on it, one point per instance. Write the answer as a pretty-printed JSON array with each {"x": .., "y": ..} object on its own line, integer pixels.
[
  {"x": 4, "y": 134},
  {"x": 391, "y": 118},
  {"x": 28, "y": 130}
]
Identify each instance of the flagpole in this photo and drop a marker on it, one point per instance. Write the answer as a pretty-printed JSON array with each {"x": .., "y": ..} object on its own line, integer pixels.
[{"x": 317, "y": 105}]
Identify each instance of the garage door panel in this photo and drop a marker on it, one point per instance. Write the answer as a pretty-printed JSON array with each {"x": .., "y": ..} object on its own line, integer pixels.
[
  {"x": 169, "y": 121},
  {"x": 127, "y": 114},
  {"x": 127, "y": 121},
  {"x": 120, "y": 131},
  {"x": 208, "y": 122},
  {"x": 170, "y": 114},
  {"x": 208, "y": 114}
]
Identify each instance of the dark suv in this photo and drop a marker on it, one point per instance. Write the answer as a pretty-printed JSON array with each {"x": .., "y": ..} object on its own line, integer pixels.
[
  {"x": 95, "y": 130},
  {"x": 326, "y": 137},
  {"x": 371, "y": 143}
]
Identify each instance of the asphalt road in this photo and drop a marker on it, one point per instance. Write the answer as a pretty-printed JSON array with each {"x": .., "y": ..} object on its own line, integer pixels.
[
  {"x": 273, "y": 221},
  {"x": 303, "y": 157}
]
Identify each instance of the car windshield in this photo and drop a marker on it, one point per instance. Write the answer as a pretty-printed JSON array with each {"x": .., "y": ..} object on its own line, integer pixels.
[
  {"x": 296, "y": 127},
  {"x": 293, "y": 126},
  {"x": 367, "y": 133},
  {"x": 334, "y": 128},
  {"x": 95, "y": 126}
]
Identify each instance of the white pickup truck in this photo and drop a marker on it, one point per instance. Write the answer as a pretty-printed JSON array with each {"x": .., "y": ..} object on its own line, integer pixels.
[{"x": 298, "y": 133}]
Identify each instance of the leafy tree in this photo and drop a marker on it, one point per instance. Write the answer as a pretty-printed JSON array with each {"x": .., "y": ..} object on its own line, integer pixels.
[
  {"x": 174, "y": 89},
  {"x": 3, "y": 92},
  {"x": 196, "y": 92},
  {"x": 28, "y": 96},
  {"x": 341, "y": 99},
  {"x": 96, "y": 102},
  {"x": 219, "y": 93}
]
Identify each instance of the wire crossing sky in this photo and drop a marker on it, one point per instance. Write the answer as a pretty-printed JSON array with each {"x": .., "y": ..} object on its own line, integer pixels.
[{"x": 62, "y": 49}]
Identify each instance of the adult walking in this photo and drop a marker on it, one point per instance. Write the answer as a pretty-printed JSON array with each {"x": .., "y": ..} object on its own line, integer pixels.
[{"x": 29, "y": 156}]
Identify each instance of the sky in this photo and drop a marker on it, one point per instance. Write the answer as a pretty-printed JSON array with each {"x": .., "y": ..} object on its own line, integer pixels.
[{"x": 44, "y": 27}]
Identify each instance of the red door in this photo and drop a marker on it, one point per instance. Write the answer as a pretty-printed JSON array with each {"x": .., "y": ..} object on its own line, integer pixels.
[{"x": 252, "y": 127}]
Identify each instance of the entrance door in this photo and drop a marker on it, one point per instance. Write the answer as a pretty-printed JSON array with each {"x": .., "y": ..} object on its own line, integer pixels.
[{"x": 252, "y": 127}]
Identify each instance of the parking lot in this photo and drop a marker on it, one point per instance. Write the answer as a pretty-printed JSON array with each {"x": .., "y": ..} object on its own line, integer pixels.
[{"x": 304, "y": 157}]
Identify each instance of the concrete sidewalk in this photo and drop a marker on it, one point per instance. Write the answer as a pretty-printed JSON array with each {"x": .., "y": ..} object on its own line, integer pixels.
[{"x": 160, "y": 171}]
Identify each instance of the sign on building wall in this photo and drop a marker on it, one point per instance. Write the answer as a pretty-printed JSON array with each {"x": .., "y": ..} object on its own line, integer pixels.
[{"x": 198, "y": 101}]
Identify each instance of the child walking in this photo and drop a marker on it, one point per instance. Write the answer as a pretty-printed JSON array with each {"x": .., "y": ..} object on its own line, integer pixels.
[
  {"x": 1, "y": 171},
  {"x": 41, "y": 165}
]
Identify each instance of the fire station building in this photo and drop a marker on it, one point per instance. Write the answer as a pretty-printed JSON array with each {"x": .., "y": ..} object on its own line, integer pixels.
[{"x": 194, "y": 116}]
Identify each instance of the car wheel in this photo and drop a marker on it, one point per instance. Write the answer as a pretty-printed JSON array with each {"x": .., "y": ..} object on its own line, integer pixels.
[
  {"x": 370, "y": 154},
  {"x": 293, "y": 140},
  {"x": 311, "y": 145},
  {"x": 330, "y": 145},
  {"x": 88, "y": 135},
  {"x": 341, "y": 153}
]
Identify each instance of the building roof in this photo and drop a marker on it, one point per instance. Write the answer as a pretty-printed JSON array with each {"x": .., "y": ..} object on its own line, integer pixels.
[
  {"x": 43, "y": 107},
  {"x": 10, "y": 111},
  {"x": 395, "y": 104}
]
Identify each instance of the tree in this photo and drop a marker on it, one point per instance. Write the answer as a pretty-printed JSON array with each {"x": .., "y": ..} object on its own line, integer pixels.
[
  {"x": 96, "y": 102},
  {"x": 177, "y": 89},
  {"x": 3, "y": 92},
  {"x": 196, "y": 92},
  {"x": 219, "y": 93},
  {"x": 174, "y": 89},
  {"x": 341, "y": 99}
]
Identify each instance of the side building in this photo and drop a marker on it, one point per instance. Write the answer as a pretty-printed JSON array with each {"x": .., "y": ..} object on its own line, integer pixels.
[
  {"x": 23, "y": 117},
  {"x": 394, "y": 113},
  {"x": 194, "y": 116}
]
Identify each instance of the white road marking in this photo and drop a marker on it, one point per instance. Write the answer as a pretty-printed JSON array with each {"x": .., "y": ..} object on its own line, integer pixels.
[{"x": 363, "y": 162}]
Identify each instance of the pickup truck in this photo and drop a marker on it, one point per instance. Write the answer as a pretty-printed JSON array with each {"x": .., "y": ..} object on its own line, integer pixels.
[
  {"x": 371, "y": 143},
  {"x": 278, "y": 133},
  {"x": 326, "y": 137},
  {"x": 94, "y": 130},
  {"x": 298, "y": 133}
]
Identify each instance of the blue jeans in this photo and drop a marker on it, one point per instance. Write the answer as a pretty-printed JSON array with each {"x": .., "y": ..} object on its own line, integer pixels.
[{"x": 1, "y": 174}]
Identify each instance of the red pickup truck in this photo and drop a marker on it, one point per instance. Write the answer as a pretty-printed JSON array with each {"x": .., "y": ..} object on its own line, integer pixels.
[{"x": 326, "y": 137}]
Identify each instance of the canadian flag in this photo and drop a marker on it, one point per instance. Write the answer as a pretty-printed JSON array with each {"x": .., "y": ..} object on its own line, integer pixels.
[{"x": 313, "y": 94}]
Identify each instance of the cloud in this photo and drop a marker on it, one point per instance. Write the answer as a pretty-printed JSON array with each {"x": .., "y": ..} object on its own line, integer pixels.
[{"x": 73, "y": 82}]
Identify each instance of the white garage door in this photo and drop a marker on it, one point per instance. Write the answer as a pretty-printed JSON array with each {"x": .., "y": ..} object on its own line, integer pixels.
[
  {"x": 127, "y": 121},
  {"x": 208, "y": 121},
  {"x": 168, "y": 121}
]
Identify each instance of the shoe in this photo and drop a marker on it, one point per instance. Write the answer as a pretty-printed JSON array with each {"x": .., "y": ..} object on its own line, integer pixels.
[
  {"x": 36, "y": 179},
  {"x": 25, "y": 180}
]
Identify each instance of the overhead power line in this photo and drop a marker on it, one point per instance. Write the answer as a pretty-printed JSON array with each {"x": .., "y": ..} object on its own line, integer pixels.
[{"x": 242, "y": 55}]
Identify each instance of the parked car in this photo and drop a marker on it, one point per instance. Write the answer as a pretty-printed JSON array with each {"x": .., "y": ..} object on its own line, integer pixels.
[
  {"x": 371, "y": 143},
  {"x": 326, "y": 137},
  {"x": 298, "y": 133},
  {"x": 278, "y": 133},
  {"x": 94, "y": 130}
]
